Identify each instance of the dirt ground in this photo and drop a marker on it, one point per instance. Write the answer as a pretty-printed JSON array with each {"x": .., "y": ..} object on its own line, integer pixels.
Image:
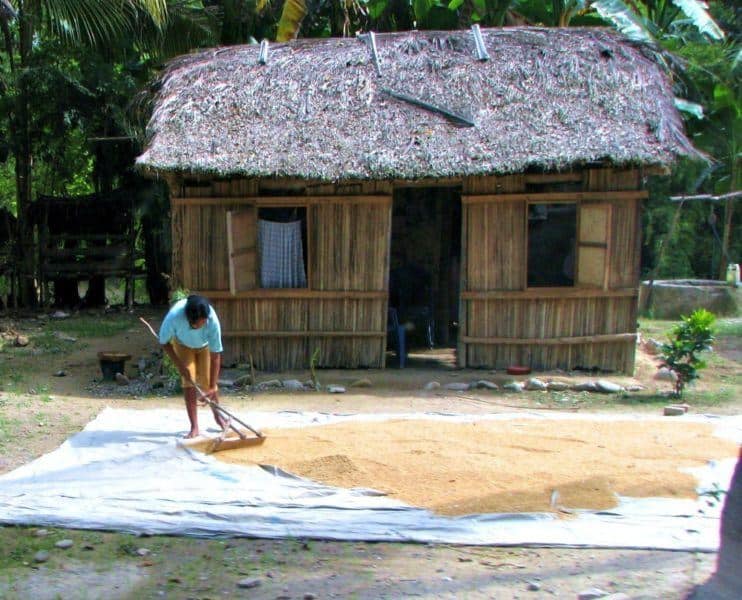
[{"x": 39, "y": 410}]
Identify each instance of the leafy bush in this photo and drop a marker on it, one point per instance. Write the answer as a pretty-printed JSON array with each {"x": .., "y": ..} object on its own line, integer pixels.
[
  {"x": 692, "y": 336},
  {"x": 179, "y": 294}
]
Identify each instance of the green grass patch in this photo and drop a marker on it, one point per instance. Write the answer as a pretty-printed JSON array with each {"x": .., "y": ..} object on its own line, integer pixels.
[
  {"x": 93, "y": 327},
  {"x": 660, "y": 329},
  {"x": 729, "y": 328},
  {"x": 20, "y": 545},
  {"x": 696, "y": 398},
  {"x": 11, "y": 379},
  {"x": 49, "y": 343},
  {"x": 654, "y": 328},
  {"x": 8, "y": 429},
  {"x": 59, "y": 335}
]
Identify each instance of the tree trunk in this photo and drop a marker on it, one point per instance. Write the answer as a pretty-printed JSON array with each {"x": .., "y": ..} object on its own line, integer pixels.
[
  {"x": 25, "y": 247},
  {"x": 157, "y": 244},
  {"x": 103, "y": 173},
  {"x": 66, "y": 294},
  {"x": 96, "y": 294}
]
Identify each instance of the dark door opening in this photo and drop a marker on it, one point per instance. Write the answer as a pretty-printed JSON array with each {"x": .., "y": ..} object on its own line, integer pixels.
[{"x": 424, "y": 267}]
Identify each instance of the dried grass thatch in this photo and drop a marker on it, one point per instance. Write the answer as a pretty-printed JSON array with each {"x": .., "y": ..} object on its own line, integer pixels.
[{"x": 546, "y": 99}]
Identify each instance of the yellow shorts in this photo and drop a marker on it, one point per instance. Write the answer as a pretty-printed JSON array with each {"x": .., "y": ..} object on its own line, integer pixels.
[{"x": 198, "y": 363}]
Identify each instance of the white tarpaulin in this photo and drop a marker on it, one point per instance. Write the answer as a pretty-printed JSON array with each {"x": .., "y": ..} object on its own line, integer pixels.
[{"x": 126, "y": 472}]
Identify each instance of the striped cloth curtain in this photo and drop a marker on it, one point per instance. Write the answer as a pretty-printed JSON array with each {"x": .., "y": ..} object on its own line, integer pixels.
[{"x": 281, "y": 255}]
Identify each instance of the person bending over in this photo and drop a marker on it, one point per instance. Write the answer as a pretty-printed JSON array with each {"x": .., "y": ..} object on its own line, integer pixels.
[{"x": 192, "y": 337}]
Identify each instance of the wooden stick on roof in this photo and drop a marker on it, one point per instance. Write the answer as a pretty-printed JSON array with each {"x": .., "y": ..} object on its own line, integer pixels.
[{"x": 452, "y": 116}]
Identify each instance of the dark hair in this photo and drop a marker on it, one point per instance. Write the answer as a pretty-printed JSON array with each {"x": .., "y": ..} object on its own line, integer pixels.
[{"x": 196, "y": 308}]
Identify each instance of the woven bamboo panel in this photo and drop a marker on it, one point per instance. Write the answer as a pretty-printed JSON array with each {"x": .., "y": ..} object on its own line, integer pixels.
[
  {"x": 540, "y": 319},
  {"x": 494, "y": 234},
  {"x": 348, "y": 246},
  {"x": 286, "y": 323},
  {"x": 205, "y": 257},
  {"x": 176, "y": 232},
  {"x": 505, "y": 184},
  {"x": 612, "y": 179},
  {"x": 269, "y": 353},
  {"x": 624, "y": 262},
  {"x": 348, "y": 315}
]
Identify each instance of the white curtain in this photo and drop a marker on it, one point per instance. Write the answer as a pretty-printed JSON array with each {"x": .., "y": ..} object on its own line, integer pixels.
[{"x": 281, "y": 255}]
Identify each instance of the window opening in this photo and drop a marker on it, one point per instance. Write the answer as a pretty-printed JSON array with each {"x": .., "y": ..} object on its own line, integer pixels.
[
  {"x": 551, "y": 244},
  {"x": 282, "y": 246}
]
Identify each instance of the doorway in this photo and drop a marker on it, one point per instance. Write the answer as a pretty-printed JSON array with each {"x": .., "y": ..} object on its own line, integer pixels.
[{"x": 424, "y": 271}]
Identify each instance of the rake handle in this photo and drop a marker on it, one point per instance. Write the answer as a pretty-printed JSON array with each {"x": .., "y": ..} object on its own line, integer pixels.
[{"x": 224, "y": 411}]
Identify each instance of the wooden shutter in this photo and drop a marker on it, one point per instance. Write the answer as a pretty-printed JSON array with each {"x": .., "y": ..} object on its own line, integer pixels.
[
  {"x": 242, "y": 238},
  {"x": 593, "y": 245}
]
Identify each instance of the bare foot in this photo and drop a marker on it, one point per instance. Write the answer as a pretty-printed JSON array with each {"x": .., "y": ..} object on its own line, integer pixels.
[{"x": 191, "y": 434}]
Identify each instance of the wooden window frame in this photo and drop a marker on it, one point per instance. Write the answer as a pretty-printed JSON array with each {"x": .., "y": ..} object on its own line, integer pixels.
[{"x": 605, "y": 245}]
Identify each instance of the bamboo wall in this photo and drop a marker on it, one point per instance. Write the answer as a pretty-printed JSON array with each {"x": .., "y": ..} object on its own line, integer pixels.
[
  {"x": 342, "y": 312},
  {"x": 503, "y": 322}
]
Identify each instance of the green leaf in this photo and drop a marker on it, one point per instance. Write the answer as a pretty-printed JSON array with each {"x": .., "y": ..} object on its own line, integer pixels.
[
  {"x": 455, "y": 4},
  {"x": 377, "y": 7},
  {"x": 421, "y": 9},
  {"x": 723, "y": 96}
]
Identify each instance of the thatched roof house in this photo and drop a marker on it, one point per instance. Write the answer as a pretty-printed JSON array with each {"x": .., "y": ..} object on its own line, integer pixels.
[
  {"x": 329, "y": 119},
  {"x": 546, "y": 98}
]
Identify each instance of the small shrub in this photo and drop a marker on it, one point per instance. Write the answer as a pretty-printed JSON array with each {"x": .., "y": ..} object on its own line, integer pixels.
[
  {"x": 179, "y": 294},
  {"x": 313, "y": 369},
  {"x": 692, "y": 336}
]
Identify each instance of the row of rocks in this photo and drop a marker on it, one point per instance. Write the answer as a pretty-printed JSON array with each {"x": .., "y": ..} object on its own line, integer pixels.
[
  {"x": 147, "y": 386},
  {"x": 535, "y": 384}
]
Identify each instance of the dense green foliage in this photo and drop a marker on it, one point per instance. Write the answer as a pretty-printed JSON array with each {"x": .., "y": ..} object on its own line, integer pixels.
[
  {"x": 692, "y": 336},
  {"x": 71, "y": 73}
]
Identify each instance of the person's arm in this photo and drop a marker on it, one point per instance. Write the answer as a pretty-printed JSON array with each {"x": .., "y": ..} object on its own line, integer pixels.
[{"x": 214, "y": 369}]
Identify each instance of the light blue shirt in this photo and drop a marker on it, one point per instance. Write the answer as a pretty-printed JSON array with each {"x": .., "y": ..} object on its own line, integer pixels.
[{"x": 176, "y": 326}]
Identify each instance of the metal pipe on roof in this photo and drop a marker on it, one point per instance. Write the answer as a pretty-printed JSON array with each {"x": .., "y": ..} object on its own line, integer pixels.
[
  {"x": 374, "y": 52},
  {"x": 263, "y": 54},
  {"x": 479, "y": 43}
]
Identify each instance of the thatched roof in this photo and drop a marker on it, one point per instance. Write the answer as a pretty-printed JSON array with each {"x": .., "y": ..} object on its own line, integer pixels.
[{"x": 546, "y": 99}]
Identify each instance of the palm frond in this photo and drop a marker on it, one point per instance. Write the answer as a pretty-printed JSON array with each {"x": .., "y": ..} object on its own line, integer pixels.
[
  {"x": 699, "y": 16},
  {"x": 624, "y": 19},
  {"x": 93, "y": 21},
  {"x": 188, "y": 25},
  {"x": 292, "y": 16}
]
